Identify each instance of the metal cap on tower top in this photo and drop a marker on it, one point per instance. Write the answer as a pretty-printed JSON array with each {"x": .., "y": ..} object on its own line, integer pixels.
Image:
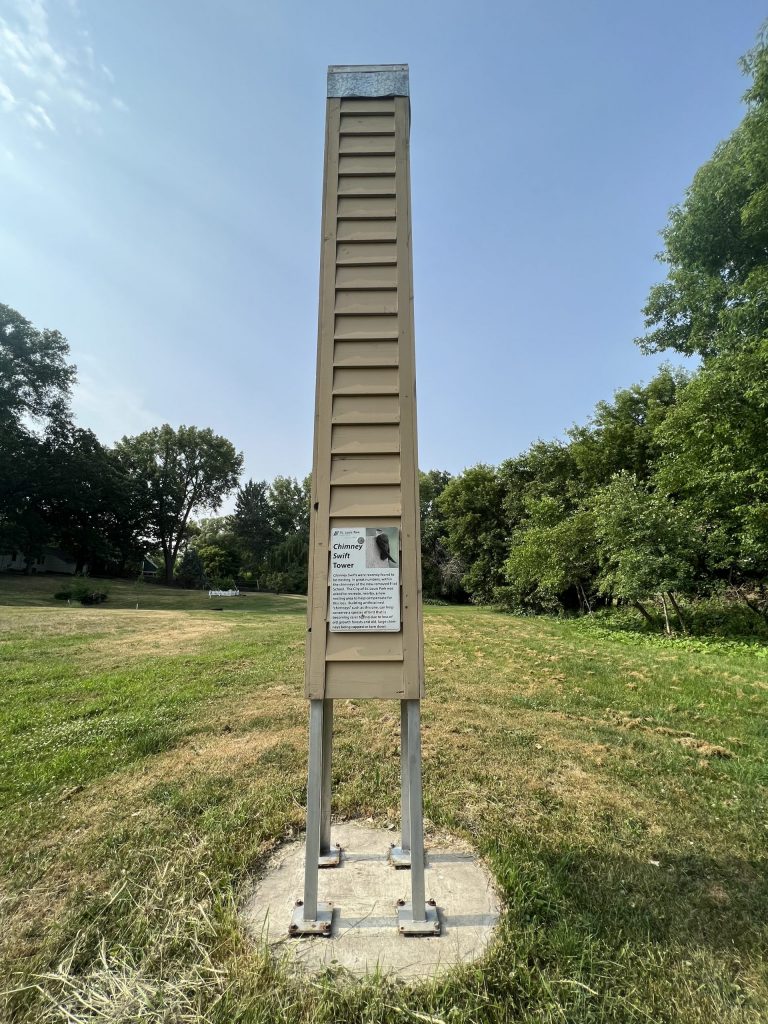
[{"x": 368, "y": 80}]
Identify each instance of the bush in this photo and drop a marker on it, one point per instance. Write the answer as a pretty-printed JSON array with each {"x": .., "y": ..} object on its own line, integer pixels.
[
  {"x": 281, "y": 583},
  {"x": 227, "y": 583},
  {"x": 717, "y": 616},
  {"x": 82, "y": 590}
]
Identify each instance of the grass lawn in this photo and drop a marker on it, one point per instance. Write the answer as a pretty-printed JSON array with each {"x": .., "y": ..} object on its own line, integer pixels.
[{"x": 152, "y": 758}]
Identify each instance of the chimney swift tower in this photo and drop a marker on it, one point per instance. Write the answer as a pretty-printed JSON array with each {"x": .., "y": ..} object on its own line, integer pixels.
[{"x": 364, "y": 630}]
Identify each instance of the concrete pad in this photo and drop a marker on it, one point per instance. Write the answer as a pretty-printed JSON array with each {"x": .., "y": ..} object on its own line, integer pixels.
[{"x": 365, "y": 889}]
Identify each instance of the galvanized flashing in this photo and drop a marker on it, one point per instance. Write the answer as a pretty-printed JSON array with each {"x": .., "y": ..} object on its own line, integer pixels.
[{"x": 368, "y": 80}]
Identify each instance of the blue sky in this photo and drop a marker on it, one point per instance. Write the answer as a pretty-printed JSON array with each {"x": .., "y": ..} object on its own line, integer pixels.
[{"x": 160, "y": 179}]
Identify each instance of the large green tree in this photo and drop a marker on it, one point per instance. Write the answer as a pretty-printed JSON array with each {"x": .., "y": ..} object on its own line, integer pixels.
[
  {"x": 35, "y": 377},
  {"x": 647, "y": 544},
  {"x": 553, "y": 556},
  {"x": 177, "y": 473},
  {"x": 621, "y": 435},
  {"x": 476, "y": 528},
  {"x": 252, "y": 524},
  {"x": 715, "y": 296},
  {"x": 436, "y": 580},
  {"x": 715, "y": 463},
  {"x": 89, "y": 505},
  {"x": 288, "y": 506}
]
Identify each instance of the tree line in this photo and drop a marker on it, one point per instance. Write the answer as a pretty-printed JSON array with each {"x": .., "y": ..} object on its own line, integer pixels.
[
  {"x": 663, "y": 494},
  {"x": 110, "y": 506}
]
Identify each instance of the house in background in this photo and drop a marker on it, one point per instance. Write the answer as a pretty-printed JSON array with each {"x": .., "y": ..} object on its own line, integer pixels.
[
  {"x": 149, "y": 570},
  {"x": 50, "y": 560}
]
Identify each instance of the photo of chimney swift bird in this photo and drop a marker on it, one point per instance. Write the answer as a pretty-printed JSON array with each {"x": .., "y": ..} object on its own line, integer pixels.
[{"x": 382, "y": 543}]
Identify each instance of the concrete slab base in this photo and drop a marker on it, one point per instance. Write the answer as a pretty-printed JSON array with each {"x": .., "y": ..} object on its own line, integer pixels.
[{"x": 365, "y": 890}]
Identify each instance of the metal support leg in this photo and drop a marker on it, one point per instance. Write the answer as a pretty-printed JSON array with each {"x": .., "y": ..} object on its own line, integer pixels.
[
  {"x": 311, "y": 917},
  {"x": 329, "y": 857},
  {"x": 416, "y": 917},
  {"x": 400, "y": 856}
]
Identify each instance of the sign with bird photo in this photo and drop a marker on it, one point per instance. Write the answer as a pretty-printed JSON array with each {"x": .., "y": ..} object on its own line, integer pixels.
[{"x": 365, "y": 579}]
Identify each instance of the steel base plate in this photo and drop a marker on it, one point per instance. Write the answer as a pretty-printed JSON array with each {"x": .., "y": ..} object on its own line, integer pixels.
[
  {"x": 407, "y": 926},
  {"x": 399, "y": 858},
  {"x": 320, "y": 926},
  {"x": 330, "y": 859}
]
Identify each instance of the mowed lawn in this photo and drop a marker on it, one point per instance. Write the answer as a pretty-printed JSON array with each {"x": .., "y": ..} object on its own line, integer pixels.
[{"x": 153, "y": 757}]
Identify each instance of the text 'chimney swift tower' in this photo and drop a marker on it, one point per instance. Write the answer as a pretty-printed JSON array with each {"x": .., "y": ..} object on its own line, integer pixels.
[{"x": 365, "y": 635}]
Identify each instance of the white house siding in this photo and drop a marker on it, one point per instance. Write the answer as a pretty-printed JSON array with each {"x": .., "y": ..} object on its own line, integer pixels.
[{"x": 51, "y": 560}]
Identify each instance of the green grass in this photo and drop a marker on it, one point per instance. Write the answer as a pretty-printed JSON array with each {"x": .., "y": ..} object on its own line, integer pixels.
[
  {"x": 151, "y": 759},
  {"x": 37, "y": 592}
]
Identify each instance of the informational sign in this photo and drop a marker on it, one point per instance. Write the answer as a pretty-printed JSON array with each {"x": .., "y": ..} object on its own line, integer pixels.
[{"x": 365, "y": 579}]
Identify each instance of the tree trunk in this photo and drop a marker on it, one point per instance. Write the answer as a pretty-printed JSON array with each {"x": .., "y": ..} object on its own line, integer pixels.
[
  {"x": 168, "y": 559},
  {"x": 763, "y": 613},
  {"x": 667, "y": 629},
  {"x": 644, "y": 612},
  {"x": 585, "y": 598},
  {"x": 679, "y": 614}
]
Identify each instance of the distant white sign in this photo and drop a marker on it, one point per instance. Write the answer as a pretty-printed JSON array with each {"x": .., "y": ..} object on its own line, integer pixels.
[{"x": 365, "y": 579}]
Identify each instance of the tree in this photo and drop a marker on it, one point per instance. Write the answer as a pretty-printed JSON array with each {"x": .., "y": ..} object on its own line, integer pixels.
[
  {"x": 715, "y": 296},
  {"x": 647, "y": 544},
  {"x": 715, "y": 463},
  {"x": 621, "y": 436},
  {"x": 555, "y": 553},
  {"x": 288, "y": 506},
  {"x": 86, "y": 499},
  {"x": 35, "y": 378},
  {"x": 434, "y": 553},
  {"x": 35, "y": 385},
  {"x": 178, "y": 472},
  {"x": 23, "y": 525},
  {"x": 252, "y": 524},
  {"x": 219, "y": 563},
  {"x": 476, "y": 528},
  {"x": 190, "y": 572}
]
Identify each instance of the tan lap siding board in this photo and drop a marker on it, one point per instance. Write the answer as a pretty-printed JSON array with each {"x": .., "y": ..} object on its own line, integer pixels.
[{"x": 365, "y": 460}]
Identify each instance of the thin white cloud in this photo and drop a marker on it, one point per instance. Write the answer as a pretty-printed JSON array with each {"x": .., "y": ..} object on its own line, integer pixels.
[
  {"x": 83, "y": 102},
  {"x": 51, "y": 78},
  {"x": 7, "y": 99}
]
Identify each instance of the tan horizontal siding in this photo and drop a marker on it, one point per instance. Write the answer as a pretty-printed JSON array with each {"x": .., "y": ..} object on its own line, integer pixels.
[
  {"x": 373, "y": 380},
  {"x": 360, "y": 301},
  {"x": 371, "y": 276},
  {"x": 354, "y": 105},
  {"x": 369, "y": 437},
  {"x": 364, "y": 185},
  {"x": 366, "y": 500},
  {"x": 378, "y": 145},
  {"x": 364, "y": 647},
  {"x": 382, "y": 679},
  {"x": 366, "y": 207},
  {"x": 377, "y": 327},
  {"x": 367, "y": 124},
  {"x": 365, "y": 409},
  {"x": 366, "y": 231},
  {"x": 362, "y": 252},
  {"x": 349, "y": 470},
  {"x": 364, "y": 468},
  {"x": 365, "y": 353},
  {"x": 367, "y": 164}
]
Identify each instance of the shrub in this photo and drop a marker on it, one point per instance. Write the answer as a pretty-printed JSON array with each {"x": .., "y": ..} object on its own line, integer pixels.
[{"x": 83, "y": 591}]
